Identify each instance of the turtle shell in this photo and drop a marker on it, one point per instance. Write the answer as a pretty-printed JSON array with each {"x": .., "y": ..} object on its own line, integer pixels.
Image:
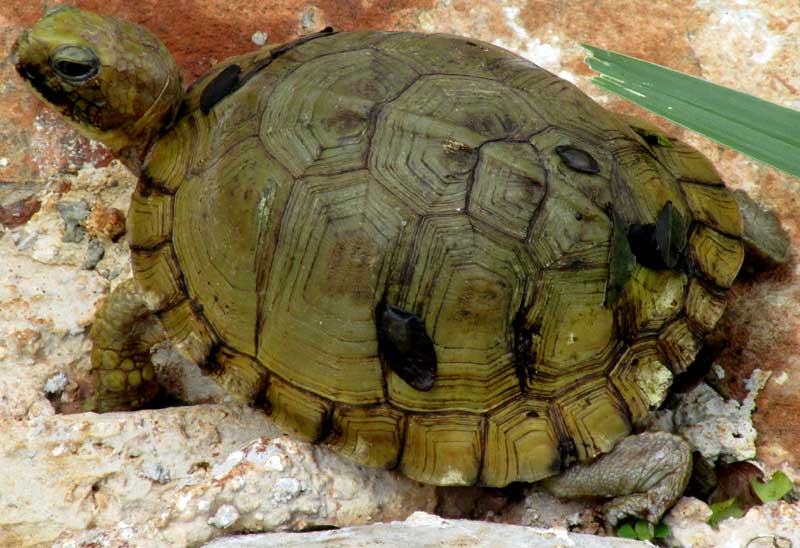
[{"x": 431, "y": 254}]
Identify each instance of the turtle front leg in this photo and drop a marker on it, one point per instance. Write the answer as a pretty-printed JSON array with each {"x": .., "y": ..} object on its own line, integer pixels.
[
  {"x": 645, "y": 475},
  {"x": 123, "y": 333}
]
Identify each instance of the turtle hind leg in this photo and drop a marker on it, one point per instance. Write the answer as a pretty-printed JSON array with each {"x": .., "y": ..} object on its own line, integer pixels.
[
  {"x": 123, "y": 333},
  {"x": 645, "y": 474}
]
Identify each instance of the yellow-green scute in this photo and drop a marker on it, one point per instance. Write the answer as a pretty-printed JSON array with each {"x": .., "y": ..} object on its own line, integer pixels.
[{"x": 422, "y": 171}]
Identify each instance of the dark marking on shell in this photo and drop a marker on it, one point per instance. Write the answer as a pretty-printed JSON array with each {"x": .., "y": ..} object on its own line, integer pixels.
[
  {"x": 621, "y": 262},
  {"x": 222, "y": 85},
  {"x": 523, "y": 355},
  {"x": 670, "y": 235},
  {"x": 232, "y": 78},
  {"x": 659, "y": 246},
  {"x": 578, "y": 159},
  {"x": 280, "y": 50},
  {"x": 567, "y": 453},
  {"x": 405, "y": 347}
]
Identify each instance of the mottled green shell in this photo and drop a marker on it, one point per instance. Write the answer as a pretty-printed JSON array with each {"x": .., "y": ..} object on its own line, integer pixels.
[{"x": 422, "y": 171}]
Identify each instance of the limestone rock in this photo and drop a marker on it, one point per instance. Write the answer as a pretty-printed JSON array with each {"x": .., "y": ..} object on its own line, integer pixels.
[
  {"x": 773, "y": 524},
  {"x": 422, "y": 529},
  {"x": 179, "y": 477}
]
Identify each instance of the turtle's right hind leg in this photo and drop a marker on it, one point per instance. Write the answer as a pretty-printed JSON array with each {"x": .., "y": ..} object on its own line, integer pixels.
[{"x": 123, "y": 333}]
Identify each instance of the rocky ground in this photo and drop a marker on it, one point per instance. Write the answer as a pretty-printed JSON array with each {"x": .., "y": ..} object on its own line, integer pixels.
[{"x": 183, "y": 476}]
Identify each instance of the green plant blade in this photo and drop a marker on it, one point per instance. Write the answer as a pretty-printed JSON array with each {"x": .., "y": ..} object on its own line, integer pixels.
[{"x": 764, "y": 131}]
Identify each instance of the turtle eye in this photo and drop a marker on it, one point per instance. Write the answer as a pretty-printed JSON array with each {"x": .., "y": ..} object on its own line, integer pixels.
[{"x": 75, "y": 64}]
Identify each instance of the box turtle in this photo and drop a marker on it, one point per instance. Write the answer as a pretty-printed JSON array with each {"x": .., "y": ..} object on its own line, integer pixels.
[{"x": 421, "y": 250}]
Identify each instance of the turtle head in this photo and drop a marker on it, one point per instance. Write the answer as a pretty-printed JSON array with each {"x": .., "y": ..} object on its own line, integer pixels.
[{"x": 112, "y": 80}]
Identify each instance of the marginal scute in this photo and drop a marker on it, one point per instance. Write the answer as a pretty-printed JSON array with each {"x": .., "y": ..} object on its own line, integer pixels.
[
  {"x": 521, "y": 444},
  {"x": 443, "y": 449},
  {"x": 594, "y": 416},
  {"x": 650, "y": 299},
  {"x": 367, "y": 435},
  {"x": 159, "y": 275},
  {"x": 716, "y": 256},
  {"x": 680, "y": 344},
  {"x": 714, "y": 206},
  {"x": 303, "y": 413},
  {"x": 188, "y": 331},
  {"x": 149, "y": 218},
  {"x": 223, "y": 84},
  {"x": 168, "y": 161},
  {"x": 686, "y": 163},
  {"x": 704, "y": 305},
  {"x": 442, "y": 53},
  {"x": 642, "y": 378},
  {"x": 240, "y": 376}
]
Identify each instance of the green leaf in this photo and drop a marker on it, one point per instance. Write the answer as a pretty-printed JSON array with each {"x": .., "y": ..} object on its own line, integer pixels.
[
  {"x": 723, "y": 510},
  {"x": 764, "y": 131},
  {"x": 775, "y": 489},
  {"x": 644, "y": 529},
  {"x": 661, "y": 530},
  {"x": 626, "y": 531}
]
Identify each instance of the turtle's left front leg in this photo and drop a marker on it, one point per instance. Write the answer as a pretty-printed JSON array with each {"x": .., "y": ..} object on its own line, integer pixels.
[
  {"x": 123, "y": 333},
  {"x": 645, "y": 474}
]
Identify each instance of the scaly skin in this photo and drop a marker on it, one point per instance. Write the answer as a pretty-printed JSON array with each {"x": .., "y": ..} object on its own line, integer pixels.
[
  {"x": 643, "y": 475},
  {"x": 135, "y": 95},
  {"x": 123, "y": 333}
]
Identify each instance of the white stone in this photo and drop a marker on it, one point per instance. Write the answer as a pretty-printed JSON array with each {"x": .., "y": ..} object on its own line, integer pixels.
[
  {"x": 773, "y": 524},
  {"x": 717, "y": 427},
  {"x": 225, "y": 517},
  {"x": 259, "y": 38},
  {"x": 422, "y": 529},
  {"x": 55, "y": 384}
]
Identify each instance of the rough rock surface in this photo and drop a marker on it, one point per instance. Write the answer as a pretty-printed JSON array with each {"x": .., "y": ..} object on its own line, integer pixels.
[
  {"x": 53, "y": 275},
  {"x": 773, "y": 524},
  {"x": 179, "y": 477},
  {"x": 427, "y": 530}
]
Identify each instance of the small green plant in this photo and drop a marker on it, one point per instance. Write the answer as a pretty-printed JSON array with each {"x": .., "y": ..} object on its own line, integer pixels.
[
  {"x": 776, "y": 488},
  {"x": 641, "y": 529},
  {"x": 730, "y": 508}
]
